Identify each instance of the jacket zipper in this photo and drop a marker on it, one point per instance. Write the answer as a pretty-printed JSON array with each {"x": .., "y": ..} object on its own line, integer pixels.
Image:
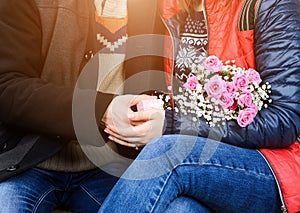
[
  {"x": 283, "y": 205},
  {"x": 173, "y": 63},
  {"x": 206, "y": 22}
]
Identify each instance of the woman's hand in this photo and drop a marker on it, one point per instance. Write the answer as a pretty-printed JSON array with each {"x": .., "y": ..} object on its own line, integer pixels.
[
  {"x": 145, "y": 125},
  {"x": 131, "y": 128}
]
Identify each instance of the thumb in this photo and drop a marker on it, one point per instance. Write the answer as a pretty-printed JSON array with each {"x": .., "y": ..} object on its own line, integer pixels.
[
  {"x": 146, "y": 115},
  {"x": 140, "y": 98}
]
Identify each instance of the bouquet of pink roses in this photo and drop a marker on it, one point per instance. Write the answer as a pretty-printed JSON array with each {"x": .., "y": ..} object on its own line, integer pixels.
[{"x": 220, "y": 92}]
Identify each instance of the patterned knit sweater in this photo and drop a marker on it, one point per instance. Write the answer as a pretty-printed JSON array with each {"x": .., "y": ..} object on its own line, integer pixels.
[{"x": 193, "y": 43}]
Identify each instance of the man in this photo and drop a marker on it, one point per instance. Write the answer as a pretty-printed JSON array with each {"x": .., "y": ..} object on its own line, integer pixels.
[{"x": 44, "y": 48}]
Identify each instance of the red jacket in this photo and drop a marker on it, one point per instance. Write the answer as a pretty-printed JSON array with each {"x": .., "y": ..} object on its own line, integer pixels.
[{"x": 231, "y": 36}]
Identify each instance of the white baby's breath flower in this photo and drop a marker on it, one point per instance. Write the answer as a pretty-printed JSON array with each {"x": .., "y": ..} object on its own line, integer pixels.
[
  {"x": 226, "y": 78},
  {"x": 198, "y": 104}
]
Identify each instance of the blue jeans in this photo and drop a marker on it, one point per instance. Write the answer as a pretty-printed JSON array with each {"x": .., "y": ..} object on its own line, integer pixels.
[
  {"x": 38, "y": 190},
  {"x": 177, "y": 173}
]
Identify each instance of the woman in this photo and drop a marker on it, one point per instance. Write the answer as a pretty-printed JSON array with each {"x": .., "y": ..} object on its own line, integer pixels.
[{"x": 251, "y": 169}]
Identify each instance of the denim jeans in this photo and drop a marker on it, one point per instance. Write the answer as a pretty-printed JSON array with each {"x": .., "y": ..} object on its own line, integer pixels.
[
  {"x": 177, "y": 173},
  {"x": 38, "y": 190}
]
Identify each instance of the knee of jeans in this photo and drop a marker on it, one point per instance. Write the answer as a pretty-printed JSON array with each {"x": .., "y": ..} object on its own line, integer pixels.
[
  {"x": 169, "y": 144},
  {"x": 8, "y": 191},
  {"x": 158, "y": 147},
  {"x": 21, "y": 194},
  {"x": 12, "y": 198}
]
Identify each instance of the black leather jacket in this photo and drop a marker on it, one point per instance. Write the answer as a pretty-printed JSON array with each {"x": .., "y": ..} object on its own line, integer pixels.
[{"x": 35, "y": 112}]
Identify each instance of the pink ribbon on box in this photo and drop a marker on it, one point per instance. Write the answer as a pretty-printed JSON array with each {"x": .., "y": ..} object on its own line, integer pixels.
[{"x": 150, "y": 104}]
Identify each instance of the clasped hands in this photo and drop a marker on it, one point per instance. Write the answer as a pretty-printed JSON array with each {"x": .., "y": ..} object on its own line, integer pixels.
[{"x": 132, "y": 128}]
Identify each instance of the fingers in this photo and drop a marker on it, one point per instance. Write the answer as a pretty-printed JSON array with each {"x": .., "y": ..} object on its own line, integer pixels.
[
  {"x": 131, "y": 132},
  {"x": 121, "y": 142},
  {"x": 136, "y": 123},
  {"x": 119, "y": 111},
  {"x": 148, "y": 124},
  {"x": 124, "y": 143},
  {"x": 130, "y": 128},
  {"x": 139, "y": 98},
  {"x": 137, "y": 140},
  {"x": 146, "y": 115}
]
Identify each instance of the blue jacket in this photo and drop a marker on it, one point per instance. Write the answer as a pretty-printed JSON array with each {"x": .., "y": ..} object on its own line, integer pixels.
[{"x": 276, "y": 45}]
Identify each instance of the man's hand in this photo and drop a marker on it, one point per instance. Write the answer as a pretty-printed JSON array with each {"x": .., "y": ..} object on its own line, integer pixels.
[{"x": 130, "y": 128}]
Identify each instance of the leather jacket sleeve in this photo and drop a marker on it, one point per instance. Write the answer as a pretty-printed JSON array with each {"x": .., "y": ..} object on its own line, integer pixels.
[
  {"x": 26, "y": 100},
  {"x": 277, "y": 52}
]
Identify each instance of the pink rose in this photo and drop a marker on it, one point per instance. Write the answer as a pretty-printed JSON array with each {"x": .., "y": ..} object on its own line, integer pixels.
[
  {"x": 245, "y": 99},
  {"x": 253, "y": 106},
  {"x": 253, "y": 75},
  {"x": 241, "y": 81},
  {"x": 213, "y": 64},
  {"x": 230, "y": 87},
  {"x": 215, "y": 87},
  {"x": 226, "y": 100},
  {"x": 191, "y": 83},
  {"x": 246, "y": 117}
]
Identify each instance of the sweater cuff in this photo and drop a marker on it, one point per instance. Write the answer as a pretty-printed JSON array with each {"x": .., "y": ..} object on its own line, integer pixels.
[{"x": 102, "y": 102}]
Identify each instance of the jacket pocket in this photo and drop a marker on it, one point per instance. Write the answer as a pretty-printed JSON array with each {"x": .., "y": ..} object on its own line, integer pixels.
[{"x": 9, "y": 138}]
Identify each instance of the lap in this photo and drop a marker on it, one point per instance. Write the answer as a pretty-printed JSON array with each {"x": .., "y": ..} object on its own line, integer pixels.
[
  {"x": 38, "y": 190},
  {"x": 219, "y": 175},
  {"x": 164, "y": 154},
  {"x": 27, "y": 192}
]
